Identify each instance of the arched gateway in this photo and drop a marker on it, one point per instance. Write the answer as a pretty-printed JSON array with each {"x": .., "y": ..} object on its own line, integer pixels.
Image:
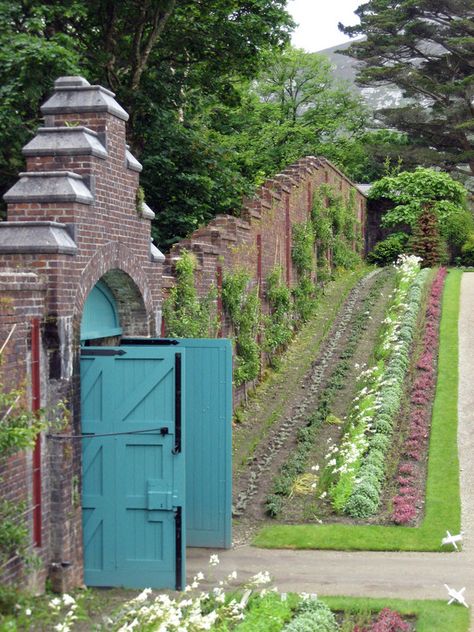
[{"x": 80, "y": 280}]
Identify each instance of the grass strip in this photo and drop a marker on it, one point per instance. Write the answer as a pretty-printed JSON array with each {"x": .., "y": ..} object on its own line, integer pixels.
[
  {"x": 442, "y": 501},
  {"x": 431, "y": 616}
]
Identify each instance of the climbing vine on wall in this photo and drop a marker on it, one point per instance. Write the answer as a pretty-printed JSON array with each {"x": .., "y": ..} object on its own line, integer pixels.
[
  {"x": 242, "y": 304},
  {"x": 278, "y": 324},
  {"x": 304, "y": 294},
  {"x": 336, "y": 229},
  {"x": 185, "y": 314}
]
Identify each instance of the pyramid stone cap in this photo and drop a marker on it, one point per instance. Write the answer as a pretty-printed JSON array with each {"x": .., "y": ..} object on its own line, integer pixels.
[
  {"x": 65, "y": 141},
  {"x": 70, "y": 82},
  {"x": 147, "y": 213},
  {"x": 132, "y": 162},
  {"x": 156, "y": 255},
  {"x": 49, "y": 187},
  {"x": 36, "y": 238},
  {"x": 76, "y": 95}
]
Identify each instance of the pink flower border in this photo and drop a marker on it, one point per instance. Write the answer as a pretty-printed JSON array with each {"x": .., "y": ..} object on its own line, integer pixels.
[{"x": 422, "y": 392}]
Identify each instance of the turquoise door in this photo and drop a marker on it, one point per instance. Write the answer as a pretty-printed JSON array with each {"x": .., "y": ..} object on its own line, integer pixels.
[
  {"x": 133, "y": 481},
  {"x": 208, "y": 400}
]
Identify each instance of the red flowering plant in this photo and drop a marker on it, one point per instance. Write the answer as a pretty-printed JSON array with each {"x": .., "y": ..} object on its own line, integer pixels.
[
  {"x": 387, "y": 621},
  {"x": 408, "y": 498}
]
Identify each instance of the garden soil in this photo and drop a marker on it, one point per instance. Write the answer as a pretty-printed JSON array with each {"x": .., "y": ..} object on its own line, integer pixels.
[{"x": 381, "y": 574}]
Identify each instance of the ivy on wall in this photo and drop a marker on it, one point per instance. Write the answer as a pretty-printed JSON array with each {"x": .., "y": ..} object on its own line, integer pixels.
[
  {"x": 327, "y": 239},
  {"x": 242, "y": 304},
  {"x": 278, "y": 324},
  {"x": 186, "y": 315}
]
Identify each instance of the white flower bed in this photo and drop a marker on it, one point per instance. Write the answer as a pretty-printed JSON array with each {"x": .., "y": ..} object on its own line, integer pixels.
[{"x": 355, "y": 469}]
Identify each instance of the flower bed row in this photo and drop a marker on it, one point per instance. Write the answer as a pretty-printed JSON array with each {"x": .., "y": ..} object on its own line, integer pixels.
[
  {"x": 225, "y": 606},
  {"x": 422, "y": 392},
  {"x": 297, "y": 462},
  {"x": 355, "y": 469}
]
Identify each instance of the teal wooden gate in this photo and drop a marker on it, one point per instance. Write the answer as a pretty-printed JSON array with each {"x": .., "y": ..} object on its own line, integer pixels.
[
  {"x": 208, "y": 401},
  {"x": 133, "y": 466},
  {"x": 156, "y": 420}
]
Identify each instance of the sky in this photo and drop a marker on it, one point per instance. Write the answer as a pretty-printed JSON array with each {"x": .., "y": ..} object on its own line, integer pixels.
[{"x": 318, "y": 21}]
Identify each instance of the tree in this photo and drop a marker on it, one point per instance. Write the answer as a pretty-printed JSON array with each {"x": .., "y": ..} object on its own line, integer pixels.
[
  {"x": 294, "y": 108},
  {"x": 426, "y": 241},
  {"x": 426, "y": 48},
  {"x": 412, "y": 192},
  {"x": 169, "y": 62}
]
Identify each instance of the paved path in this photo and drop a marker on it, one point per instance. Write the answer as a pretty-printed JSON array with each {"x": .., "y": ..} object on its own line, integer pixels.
[{"x": 380, "y": 574}]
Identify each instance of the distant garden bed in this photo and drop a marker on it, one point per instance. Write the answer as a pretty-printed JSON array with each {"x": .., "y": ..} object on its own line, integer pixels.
[{"x": 405, "y": 497}]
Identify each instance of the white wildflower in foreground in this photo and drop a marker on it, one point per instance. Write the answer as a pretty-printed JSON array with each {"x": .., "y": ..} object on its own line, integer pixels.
[{"x": 214, "y": 560}]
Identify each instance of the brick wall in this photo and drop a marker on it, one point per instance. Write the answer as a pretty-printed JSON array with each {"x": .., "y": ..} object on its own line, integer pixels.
[
  {"x": 262, "y": 236},
  {"x": 72, "y": 220}
]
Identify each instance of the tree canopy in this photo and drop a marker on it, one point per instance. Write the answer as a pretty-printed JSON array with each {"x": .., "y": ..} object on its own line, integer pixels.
[
  {"x": 217, "y": 99},
  {"x": 426, "y": 48},
  {"x": 413, "y": 192}
]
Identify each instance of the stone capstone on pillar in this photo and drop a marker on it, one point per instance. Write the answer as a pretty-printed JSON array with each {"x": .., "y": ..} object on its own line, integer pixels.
[
  {"x": 75, "y": 94},
  {"x": 36, "y": 238},
  {"x": 49, "y": 186},
  {"x": 65, "y": 141}
]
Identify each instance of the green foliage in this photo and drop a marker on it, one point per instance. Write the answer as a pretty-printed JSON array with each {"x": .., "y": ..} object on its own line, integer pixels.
[
  {"x": 411, "y": 190},
  {"x": 267, "y": 614},
  {"x": 19, "y": 427},
  {"x": 139, "y": 200},
  {"x": 304, "y": 299},
  {"x": 278, "y": 328},
  {"x": 388, "y": 250},
  {"x": 184, "y": 313},
  {"x": 344, "y": 256},
  {"x": 312, "y": 615},
  {"x": 393, "y": 49},
  {"x": 334, "y": 225},
  {"x": 426, "y": 241},
  {"x": 468, "y": 251},
  {"x": 302, "y": 253},
  {"x": 243, "y": 306}
]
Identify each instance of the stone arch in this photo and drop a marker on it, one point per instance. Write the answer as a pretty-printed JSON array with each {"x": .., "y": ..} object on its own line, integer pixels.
[{"x": 115, "y": 265}]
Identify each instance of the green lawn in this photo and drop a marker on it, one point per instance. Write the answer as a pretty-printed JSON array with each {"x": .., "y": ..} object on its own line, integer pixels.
[
  {"x": 443, "y": 504},
  {"x": 432, "y": 616}
]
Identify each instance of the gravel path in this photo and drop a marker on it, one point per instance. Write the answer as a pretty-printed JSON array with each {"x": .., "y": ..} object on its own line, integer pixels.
[
  {"x": 466, "y": 409},
  {"x": 405, "y": 575}
]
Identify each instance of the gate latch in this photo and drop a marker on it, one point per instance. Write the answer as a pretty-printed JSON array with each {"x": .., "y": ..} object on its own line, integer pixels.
[{"x": 157, "y": 497}]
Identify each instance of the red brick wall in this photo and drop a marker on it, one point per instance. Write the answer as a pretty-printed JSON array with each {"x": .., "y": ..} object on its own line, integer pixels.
[
  {"x": 261, "y": 237},
  {"x": 113, "y": 243}
]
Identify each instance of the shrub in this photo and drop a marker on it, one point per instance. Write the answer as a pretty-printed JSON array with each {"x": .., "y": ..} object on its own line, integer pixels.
[
  {"x": 467, "y": 251},
  {"x": 279, "y": 323},
  {"x": 360, "y": 506},
  {"x": 185, "y": 314},
  {"x": 388, "y": 250},
  {"x": 312, "y": 616},
  {"x": 426, "y": 241},
  {"x": 344, "y": 256},
  {"x": 266, "y": 614},
  {"x": 243, "y": 306}
]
